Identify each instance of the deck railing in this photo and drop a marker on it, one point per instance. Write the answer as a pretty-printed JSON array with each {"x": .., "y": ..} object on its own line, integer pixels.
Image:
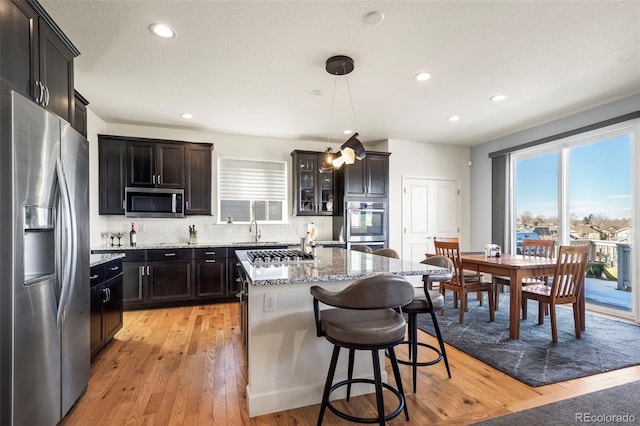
[{"x": 611, "y": 254}]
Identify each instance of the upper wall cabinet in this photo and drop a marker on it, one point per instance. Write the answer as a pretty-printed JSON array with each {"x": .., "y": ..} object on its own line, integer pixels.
[
  {"x": 127, "y": 161},
  {"x": 368, "y": 178},
  {"x": 36, "y": 58},
  {"x": 80, "y": 114},
  {"x": 155, "y": 164},
  {"x": 313, "y": 191}
]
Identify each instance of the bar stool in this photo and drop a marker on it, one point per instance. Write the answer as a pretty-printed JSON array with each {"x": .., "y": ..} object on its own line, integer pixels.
[
  {"x": 364, "y": 318},
  {"x": 426, "y": 301}
]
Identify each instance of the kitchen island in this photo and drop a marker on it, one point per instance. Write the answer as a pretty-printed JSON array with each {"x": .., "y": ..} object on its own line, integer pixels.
[{"x": 287, "y": 361}]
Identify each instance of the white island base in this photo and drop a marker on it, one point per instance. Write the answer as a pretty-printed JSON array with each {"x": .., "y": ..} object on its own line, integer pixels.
[{"x": 288, "y": 362}]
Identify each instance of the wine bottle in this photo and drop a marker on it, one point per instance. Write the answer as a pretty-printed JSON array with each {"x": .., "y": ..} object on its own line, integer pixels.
[{"x": 132, "y": 236}]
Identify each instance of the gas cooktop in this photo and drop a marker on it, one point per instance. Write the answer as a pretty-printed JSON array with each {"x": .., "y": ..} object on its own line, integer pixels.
[{"x": 278, "y": 256}]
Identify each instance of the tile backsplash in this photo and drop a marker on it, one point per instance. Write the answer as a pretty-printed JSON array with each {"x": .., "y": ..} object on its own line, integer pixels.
[{"x": 153, "y": 231}]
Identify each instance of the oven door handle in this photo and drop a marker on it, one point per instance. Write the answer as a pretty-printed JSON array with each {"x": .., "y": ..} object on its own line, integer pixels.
[{"x": 366, "y": 210}]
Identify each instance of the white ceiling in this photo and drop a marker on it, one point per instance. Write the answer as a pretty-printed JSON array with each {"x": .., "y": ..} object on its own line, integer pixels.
[{"x": 249, "y": 67}]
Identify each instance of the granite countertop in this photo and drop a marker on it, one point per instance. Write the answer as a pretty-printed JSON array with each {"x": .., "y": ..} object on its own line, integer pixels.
[
  {"x": 334, "y": 264},
  {"x": 209, "y": 245},
  {"x": 99, "y": 259}
]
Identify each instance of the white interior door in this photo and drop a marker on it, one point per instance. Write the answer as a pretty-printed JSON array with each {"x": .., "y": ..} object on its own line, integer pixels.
[{"x": 429, "y": 209}]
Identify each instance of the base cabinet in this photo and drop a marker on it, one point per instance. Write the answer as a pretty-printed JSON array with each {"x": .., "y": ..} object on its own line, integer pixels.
[
  {"x": 106, "y": 304},
  {"x": 211, "y": 272}
]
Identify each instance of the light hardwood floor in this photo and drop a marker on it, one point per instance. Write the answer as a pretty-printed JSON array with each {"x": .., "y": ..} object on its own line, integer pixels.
[{"x": 185, "y": 366}]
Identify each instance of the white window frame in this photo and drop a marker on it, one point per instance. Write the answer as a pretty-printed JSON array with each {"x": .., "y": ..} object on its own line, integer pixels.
[{"x": 282, "y": 197}]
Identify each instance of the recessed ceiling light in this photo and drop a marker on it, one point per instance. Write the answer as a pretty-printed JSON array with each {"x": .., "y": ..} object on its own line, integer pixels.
[
  {"x": 498, "y": 98},
  {"x": 453, "y": 118},
  {"x": 423, "y": 76},
  {"x": 347, "y": 132},
  {"x": 374, "y": 17},
  {"x": 162, "y": 30},
  {"x": 317, "y": 92},
  {"x": 186, "y": 115}
]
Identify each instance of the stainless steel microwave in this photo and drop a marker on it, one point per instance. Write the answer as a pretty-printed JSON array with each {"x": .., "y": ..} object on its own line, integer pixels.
[{"x": 153, "y": 202}]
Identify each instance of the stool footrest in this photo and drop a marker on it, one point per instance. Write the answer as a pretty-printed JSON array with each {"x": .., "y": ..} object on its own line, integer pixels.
[
  {"x": 423, "y": 363},
  {"x": 351, "y": 418}
]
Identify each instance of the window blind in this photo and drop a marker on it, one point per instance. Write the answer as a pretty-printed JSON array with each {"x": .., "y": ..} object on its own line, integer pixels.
[{"x": 243, "y": 179}]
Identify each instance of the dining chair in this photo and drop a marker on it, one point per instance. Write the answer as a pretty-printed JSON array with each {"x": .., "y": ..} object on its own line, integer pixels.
[
  {"x": 566, "y": 287},
  {"x": 362, "y": 248},
  {"x": 468, "y": 275},
  {"x": 530, "y": 248},
  {"x": 458, "y": 284},
  {"x": 387, "y": 252}
]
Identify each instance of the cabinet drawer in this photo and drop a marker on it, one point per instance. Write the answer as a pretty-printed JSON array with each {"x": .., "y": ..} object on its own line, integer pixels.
[
  {"x": 112, "y": 268},
  {"x": 210, "y": 253},
  {"x": 96, "y": 275},
  {"x": 175, "y": 254}
]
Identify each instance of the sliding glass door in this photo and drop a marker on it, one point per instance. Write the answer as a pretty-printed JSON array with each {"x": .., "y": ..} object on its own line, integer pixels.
[{"x": 577, "y": 191}]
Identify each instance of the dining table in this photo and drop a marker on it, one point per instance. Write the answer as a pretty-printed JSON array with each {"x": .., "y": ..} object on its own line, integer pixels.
[{"x": 516, "y": 267}]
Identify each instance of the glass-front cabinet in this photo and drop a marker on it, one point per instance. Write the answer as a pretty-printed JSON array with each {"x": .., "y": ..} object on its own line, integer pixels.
[{"x": 314, "y": 188}]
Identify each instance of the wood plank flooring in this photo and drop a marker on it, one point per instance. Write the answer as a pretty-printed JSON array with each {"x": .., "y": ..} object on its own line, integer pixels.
[{"x": 185, "y": 366}]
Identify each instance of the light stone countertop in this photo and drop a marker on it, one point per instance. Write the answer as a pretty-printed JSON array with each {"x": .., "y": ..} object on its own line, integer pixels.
[
  {"x": 99, "y": 259},
  {"x": 209, "y": 245},
  {"x": 333, "y": 264}
]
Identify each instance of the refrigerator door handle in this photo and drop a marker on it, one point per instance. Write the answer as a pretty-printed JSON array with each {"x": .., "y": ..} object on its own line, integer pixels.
[{"x": 69, "y": 269}]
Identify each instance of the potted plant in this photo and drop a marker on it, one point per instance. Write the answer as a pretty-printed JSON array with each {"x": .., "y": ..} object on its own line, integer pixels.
[{"x": 594, "y": 269}]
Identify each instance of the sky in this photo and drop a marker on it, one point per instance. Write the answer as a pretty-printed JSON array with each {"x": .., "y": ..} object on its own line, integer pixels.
[{"x": 599, "y": 181}]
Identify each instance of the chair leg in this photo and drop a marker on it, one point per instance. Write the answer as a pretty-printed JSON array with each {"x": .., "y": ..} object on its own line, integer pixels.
[
  {"x": 396, "y": 374},
  {"x": 576, "y": 320},
  {"x": 496, "y": 294},
  {"x": 442, "y": 349},
  {"x": 540, "y": 313},
  {"x": 491, "y": 295},
  {"x": 480, "y": 297},
  {"x": 463, "y": 306},
  {"x": 524, "y": 307},
  {"x": 327, "y": 385},
  {"x": 554, "y": 322},
  {"x": 378, "y": 385},
  {"x": 352, "y": 353}
]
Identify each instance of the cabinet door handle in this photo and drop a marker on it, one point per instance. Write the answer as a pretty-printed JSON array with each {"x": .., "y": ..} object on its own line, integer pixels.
[
  {"x": 105, "y": 293},
  {"x": 153, "y": 179},
  {"x": 169, "y": 254},
  {"x": 93, "y": 277},
  {"x": 124, "y": 206},
  {"x": 187, "y": 204},
  {"x": 108, "y": 295},
  {"x": 148, "y": 274},
  {"x": 46, "y": 96},
  {"x": 114, "y": 268},
  {"x": 210, "y": 261},
  {"x": 37, "y": 95},
  {"x": 159, "y": 180},
  {"x": 209, "y": 252},
  {"x": 238, "y": 280}
]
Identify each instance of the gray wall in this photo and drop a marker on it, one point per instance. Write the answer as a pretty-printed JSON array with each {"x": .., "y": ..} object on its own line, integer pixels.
[{"x": 480, "y": 228}]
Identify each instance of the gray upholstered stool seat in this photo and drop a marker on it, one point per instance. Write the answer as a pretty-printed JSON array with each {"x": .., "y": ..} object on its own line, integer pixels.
[
  {"x": 366, "y": 328},
  {"x": 420, "y": 302},
  {"x": 364, "y": 317}
]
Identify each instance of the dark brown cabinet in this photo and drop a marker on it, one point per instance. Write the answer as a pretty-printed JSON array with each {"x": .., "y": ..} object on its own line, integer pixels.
[
  {"x": 211, "y": 272},
  {"x": 169, "y": 275},
  {"x": 155, "y": 164},
  {"x": 125, "y": 161},
  {"x": 313, "y": 190},
  {"x": 80, "y": 114},
  {"x": 106, "y": 303},
  {"x": 36, "y": 58},
  {"x": 368, "y": 178},
  {"x": 197, "y": 191},
  {"x": 112, "y": 158}
]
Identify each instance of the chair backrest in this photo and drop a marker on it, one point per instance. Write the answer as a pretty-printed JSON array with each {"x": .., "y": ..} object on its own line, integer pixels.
[
  {"x": 374, "y": 292},
  {"x": 538, "y": 248},
  {"x": 569, "y": 275},
  {"x": 450, "y": 249},
  {"x": 364, "y": 249},
  {"x": 447, "y": 239},
  {"x": 387, "y": 252},
  {"x": 441, "y": 261}
]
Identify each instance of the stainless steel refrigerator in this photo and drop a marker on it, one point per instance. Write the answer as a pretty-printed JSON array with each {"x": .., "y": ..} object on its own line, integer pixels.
[{"x": 44, "y": 264}]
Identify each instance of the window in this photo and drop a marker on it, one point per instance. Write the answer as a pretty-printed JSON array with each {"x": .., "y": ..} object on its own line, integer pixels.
[{"x": 251, "y": 190}]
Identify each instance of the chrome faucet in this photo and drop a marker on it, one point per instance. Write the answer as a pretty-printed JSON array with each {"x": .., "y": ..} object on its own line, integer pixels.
[{"x": 257, "y": 234}]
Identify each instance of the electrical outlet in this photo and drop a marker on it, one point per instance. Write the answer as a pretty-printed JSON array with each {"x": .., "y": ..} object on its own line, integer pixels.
[{"x": 270, "y": 302}]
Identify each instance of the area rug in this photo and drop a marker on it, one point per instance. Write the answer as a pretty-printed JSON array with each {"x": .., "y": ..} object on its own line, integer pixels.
[
  {"x": 606, "y": 344},
  {"x": 617, "y": 405}
]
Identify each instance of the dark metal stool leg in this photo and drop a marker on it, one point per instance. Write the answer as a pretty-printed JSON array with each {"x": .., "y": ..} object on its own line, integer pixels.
[
  {"x": 327, "y": 385},
  {"x": 414, "y": 349},
  {"x": 352, "y": 353},
  {"x": 441, "y": 342},
  {"x": 378, "y": 385},
  {"x": 396, "y": 374}
]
